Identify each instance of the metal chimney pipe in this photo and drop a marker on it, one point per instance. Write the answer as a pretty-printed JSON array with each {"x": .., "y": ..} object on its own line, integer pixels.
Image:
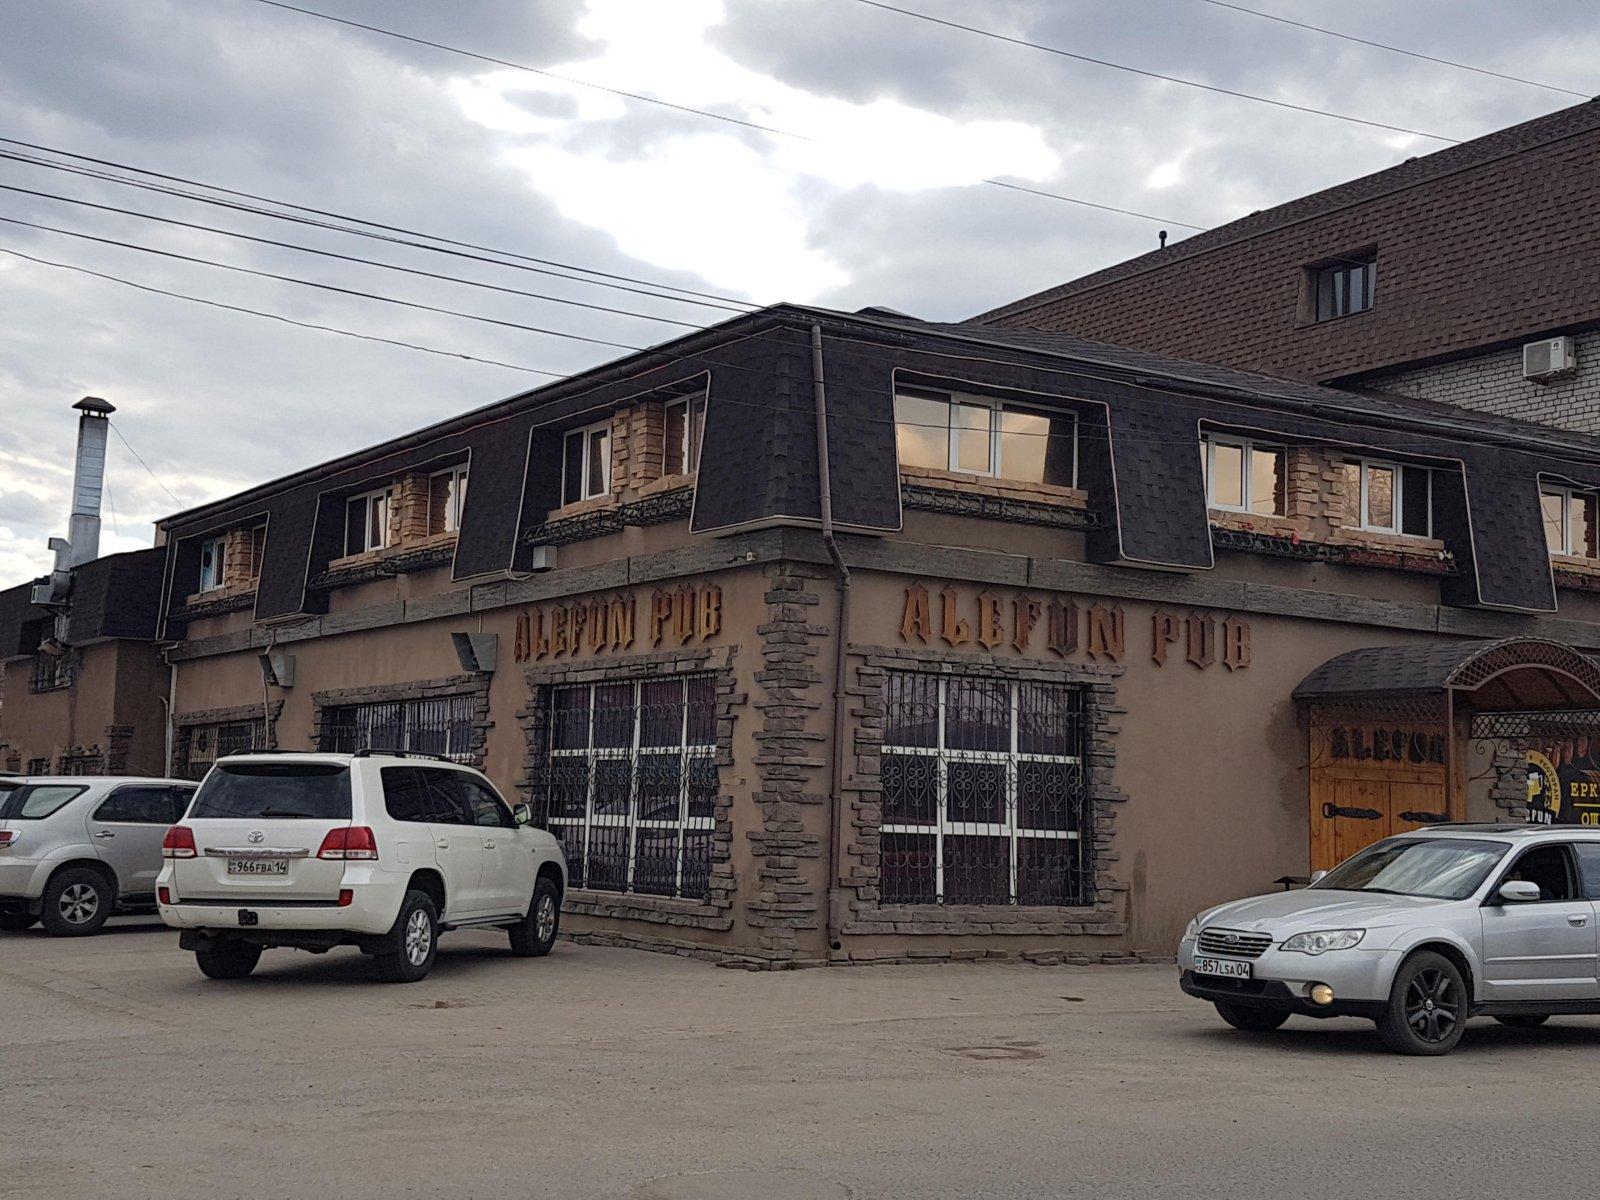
[{"x": 88, "y": 481}]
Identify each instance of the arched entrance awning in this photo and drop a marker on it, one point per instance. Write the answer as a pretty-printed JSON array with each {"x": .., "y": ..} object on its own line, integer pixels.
[{"x": 1510, "y": 675}]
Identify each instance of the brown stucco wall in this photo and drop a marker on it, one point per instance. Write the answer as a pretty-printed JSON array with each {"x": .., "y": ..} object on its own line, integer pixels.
[{"x": 113, "y": 710}]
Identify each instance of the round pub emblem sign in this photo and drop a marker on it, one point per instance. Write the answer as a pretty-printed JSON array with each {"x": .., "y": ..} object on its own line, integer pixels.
[{"x": 1544, "y": 790}]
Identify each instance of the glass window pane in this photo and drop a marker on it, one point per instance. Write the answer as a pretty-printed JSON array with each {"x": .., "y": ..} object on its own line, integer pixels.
[
  {"x": 1049, "y": 718},
  {"x": 1050, "y": 871},
  {"x": 977, "y": 870},
  {"x": 569, "y": 718},
  {"x": 701, "y": 727},
  {"x": 599, "y": 461},
  {"x": 1036, "y": 447},
  {"x": 1227, "y": 475},
  {"x": 572, "y": 469},
  {"x": 970, "y": 426},
  {"x": 1583, "y": 526},
  {"x": 977, "y": 714},
  {"x": 922, "y": 431},
  {"x": 661, "y": 712},
  {"x": 911, "y": 710},
  {"x": 606, "y": 868},
  {"x": 697, "y": 423},
  {"x": 1049, "y": 795},
  {"x": 677, "y": 431},
  {"x": 355, "y": 526},
  {"x": 1553, "y": 505},
  {"x": 1268, "y": 487},
  {"x": 1380, "y": 497},
  {"x": 1416, "y": 501},
  {"x": 613, "y": 784},
  {"x": 975, "y": 792},
  {"x": 910, "y": 789},
  {"x": 613, "y": 715},
  {"x": 908, "y": 874}
]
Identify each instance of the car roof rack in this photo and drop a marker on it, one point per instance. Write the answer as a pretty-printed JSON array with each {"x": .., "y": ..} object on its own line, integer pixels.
[{"x": 374, "y": 751}]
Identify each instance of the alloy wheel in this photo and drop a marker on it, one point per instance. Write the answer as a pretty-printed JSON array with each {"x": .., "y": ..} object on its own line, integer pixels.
[
  {"x": 79, "y": 903},
  {"x": 419, "y": 938},
  {"x": 1432, "y": 1008},
  {"x": 544, "y": 920}
]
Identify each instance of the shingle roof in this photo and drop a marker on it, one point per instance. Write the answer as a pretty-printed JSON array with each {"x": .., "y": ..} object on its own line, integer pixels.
[
  {"x": 1435, "y": 666},
  {"x": 1414, "y": 172}
]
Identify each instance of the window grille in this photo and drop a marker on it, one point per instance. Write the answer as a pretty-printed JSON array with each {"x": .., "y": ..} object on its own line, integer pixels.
[
  {"x": 437, "y": 725},
  {"x": 984, "y": 793},
  {"x": 52, "y": 672},
  {"x": 89, "y": 763},
  {"x": 204, "y": 744},
  {"x": 629, "y": 783}
]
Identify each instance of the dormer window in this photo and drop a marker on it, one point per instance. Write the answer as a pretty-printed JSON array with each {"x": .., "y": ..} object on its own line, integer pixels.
[
  {"x": 971, "y": 435},
  {"x": 1345, "y": 286},
  {"x": 685, "y": 420},
  {"x": 447, "y": 500},
  {"x": 586, "y": 463},
  {"x": 1569, "y": 521},
  {"x": 213, "y": 554},
  {"x": 1244, "y": 476},
  {"x": 1386, "y": 497},
  {"x": 367, "y": 524}
]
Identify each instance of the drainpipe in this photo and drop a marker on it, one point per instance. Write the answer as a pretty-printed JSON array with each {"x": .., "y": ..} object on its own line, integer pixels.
[
  {"x": 171, "y": 705},
  {"x": 841, "y": 643}
]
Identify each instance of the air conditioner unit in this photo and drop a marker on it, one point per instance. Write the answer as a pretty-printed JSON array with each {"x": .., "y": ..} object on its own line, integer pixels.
[{"x": 1548, "y": 358}]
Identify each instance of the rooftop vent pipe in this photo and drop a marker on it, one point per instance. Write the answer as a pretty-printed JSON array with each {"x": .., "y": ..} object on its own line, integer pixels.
[{"x": 82, "y": 543}]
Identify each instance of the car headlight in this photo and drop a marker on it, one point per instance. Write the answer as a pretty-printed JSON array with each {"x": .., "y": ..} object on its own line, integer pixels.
[
  {"x": 1190, "y": 930},
  {"x": 1320, "y": 941}
]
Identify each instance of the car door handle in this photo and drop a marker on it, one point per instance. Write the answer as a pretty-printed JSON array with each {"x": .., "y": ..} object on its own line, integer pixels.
[
  {"x": 105, "y": 833},
  {"x": 1577, "y": 921},
  {"x": 443, "y": 843},
  {"x": 488, "y": 843}
]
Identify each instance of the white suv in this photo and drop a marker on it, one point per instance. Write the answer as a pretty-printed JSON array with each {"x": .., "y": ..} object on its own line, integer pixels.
[{"x": 381, "y": 850}]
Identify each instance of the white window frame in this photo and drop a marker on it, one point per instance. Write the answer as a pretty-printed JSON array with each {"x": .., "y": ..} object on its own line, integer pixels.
[
  {"x": 1398, "y": 498},
  {"x": 219, "y": 560},
  {"x": 386, "y": 496},
  {"x": 1569, "y": 497},
  {"x": 1249, "y": 447},
  {"x": 684, "y": 750},
  {"x": 996, "y": 410},
  {"x": 689, "y": 448},
  {"x": 942, "y": 826},
  {"x": 456, "y": 503},
  {"x": 583, "y": 492}
]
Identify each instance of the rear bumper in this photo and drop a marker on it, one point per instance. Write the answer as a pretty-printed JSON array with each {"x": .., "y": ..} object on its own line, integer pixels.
[
  {"x": 1272, "y": 994},
  {"x": 372, "y": 911},
  {"x": 22, "y": 880}
]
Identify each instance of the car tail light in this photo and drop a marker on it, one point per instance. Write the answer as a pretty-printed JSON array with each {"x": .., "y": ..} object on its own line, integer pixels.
[
  {"x": 347, "y": 897},
  {"x": 164, "y": 895},
  {"x": 352, "y": 842},
  {"x": 7, "y": 836},
  {"x": 179, "y": 843}
]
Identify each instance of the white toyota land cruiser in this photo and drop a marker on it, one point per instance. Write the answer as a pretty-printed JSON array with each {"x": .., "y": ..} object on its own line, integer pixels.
[{"x": 382, "y": 850}]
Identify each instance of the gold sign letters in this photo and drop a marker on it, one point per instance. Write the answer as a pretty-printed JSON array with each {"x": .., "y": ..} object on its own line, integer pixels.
[
  {"x": 1197, "y": 631},
  {"x": 1014, "y": 621},
  {"x": 602, "y": 624}
]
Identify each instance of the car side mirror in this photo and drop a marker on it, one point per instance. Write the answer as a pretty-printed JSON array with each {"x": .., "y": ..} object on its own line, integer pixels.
[
  {"x": 522, "y": 814},
  {"x": 1317, "y": 876},
  {"x": 1518, "y": 891}
]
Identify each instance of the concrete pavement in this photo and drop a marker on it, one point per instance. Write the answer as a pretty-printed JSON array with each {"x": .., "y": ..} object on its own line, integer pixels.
[{"x": 618, "y": 1074}]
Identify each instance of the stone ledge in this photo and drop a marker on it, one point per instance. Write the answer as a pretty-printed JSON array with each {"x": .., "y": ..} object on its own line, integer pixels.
[{"x": 657, "y": 910}]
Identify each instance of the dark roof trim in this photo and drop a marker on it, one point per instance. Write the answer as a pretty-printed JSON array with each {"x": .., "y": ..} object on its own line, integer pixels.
[{"x": 1414, "y": 172}]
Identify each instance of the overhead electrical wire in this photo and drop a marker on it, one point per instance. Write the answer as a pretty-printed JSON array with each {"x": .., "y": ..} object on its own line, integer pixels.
[
  {"x": 311, "y": 12},
  {"x": 369, "y": 262},
  {"x": 1116, "y": 66},
  {"x": 141, "y": 461},
  {"x": 389, "y": 229},
  {"x": 1349, "y": 37}
]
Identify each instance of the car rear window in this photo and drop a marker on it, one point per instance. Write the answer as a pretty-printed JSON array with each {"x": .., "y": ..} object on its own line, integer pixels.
[
  {"x": 277, "y": 791},
  {"x": 37, "y": 801}
]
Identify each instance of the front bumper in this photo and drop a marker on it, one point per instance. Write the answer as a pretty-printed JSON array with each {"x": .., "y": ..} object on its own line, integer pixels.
[
  {"x": 1359, "y": 977},
  {"x": 1272, "y": 994}
]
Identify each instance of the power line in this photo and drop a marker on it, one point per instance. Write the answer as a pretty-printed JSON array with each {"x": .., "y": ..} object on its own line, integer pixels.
[
  {"x": 142, "y": 462},
  {"x": 1017, "y": 187},
  {"x": 255, "y": 312},
  {"x": 370, "y": 262},
  {"x": 391, "y": 229},
  {"x": 1445, "y": 62},
  {"x": 1116, "y": 66},
  {"x": 701, "y": 112},
  {"x": 326, "y": 287},
  {"x": 500, "y": 62}
]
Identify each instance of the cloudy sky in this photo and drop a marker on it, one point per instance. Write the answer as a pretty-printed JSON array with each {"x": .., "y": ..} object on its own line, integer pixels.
[{"x": 873, "y": 192}]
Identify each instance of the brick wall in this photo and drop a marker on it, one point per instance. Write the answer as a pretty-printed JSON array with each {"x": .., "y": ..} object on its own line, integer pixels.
[
  {"x": 1477, "y": 245},
  {"x": 1493, "y": 383}
]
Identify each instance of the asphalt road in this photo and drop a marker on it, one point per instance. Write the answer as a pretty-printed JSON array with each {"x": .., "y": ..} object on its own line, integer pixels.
[{"x": 614, "y": 1073}]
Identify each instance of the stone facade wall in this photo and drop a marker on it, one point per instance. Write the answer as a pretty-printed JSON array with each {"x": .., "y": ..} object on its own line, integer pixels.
[{"x": 1493, "y": 383}]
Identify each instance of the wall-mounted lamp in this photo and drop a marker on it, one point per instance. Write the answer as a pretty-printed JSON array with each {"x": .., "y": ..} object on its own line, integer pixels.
[
  {"x": 277, "y": 668},
  {"x": 478, "y": 652}
]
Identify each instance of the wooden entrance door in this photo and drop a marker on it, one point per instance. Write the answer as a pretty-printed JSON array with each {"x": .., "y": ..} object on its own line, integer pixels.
[{"x": 1352, "y": 807}]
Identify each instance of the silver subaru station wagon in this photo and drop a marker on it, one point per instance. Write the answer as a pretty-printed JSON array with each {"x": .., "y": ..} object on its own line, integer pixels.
[
  {"x": 75, "y": 848},
  {"x": 1418, "y": 933}
]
